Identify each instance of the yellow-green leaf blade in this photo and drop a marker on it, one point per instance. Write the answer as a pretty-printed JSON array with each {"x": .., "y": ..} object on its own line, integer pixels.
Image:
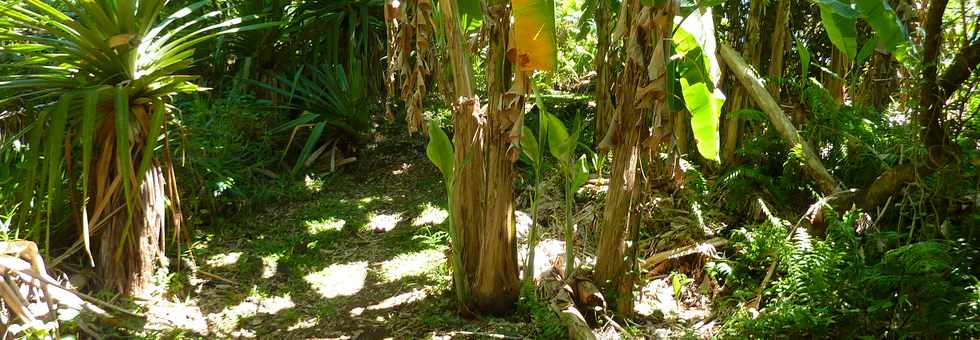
[
  {"x": 534, "y": 31},
  {"x": 705, "y": 108}
]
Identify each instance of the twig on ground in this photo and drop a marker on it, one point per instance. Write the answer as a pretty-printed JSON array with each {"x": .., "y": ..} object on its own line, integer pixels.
[{"x": 216, "y": 277}]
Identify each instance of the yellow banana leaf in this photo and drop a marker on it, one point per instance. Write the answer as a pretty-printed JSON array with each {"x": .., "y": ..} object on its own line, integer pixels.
[{"x": 534, "y": 32}]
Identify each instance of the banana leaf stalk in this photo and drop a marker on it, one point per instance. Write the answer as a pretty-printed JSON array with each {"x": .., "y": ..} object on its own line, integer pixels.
[
  {"x": 440, "y": 152},
  {"x": 531, "y": 147}
]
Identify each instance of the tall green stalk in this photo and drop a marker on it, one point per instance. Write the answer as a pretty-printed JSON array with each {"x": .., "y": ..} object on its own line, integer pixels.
[
  {"x": 531, "y": 146},
  {"x": 574, "y": 171},
  {"x": 440, "y": 152}
]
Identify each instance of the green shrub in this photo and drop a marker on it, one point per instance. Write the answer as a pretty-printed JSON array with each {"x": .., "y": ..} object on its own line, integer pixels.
[
  {"x": 225, "y": 155},
  {"x": 850, "y": 286}
]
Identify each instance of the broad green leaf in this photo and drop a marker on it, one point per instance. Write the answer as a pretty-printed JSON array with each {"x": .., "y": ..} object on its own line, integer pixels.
[
  {"x": 866, "y": 50},
  {"x": 839, "y": 7},
  {"x": 558, "y": 139},
  {"x": 534, "y": 30},
  {"x": 804, "y": 53},
  {"x": 695, "y": 36},
  {"x": 529, "y": 145},
  {"x": 705, "y": 107},
  {"x": 440, "y": 150},
  {"x": 841, "y": 28},
  {"x": 891, "y": 34},
  {"x": 581, "y": 172}
]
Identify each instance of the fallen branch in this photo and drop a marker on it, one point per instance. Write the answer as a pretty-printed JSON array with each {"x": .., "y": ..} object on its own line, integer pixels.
[
  {"x": 705, "y": 247},
  {"x": 753, "y": 85}
]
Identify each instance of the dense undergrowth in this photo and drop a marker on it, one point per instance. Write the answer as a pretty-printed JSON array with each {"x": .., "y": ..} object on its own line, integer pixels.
[
  {"x": 293, "y": 137},
  {"x": 847, "y": 285}
]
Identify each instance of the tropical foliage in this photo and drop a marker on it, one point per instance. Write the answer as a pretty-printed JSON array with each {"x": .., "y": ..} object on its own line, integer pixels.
[{"x": 362, "y": 168}]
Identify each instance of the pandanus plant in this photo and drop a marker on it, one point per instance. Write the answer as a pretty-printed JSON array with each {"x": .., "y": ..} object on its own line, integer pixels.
[{"x": 96, "y": 77}]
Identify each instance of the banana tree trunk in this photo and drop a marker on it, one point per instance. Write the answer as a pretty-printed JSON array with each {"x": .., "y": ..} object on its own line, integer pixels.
[
  {"x": 468, "y": 189},
  {"x": 641, "y": 87},
  {"x": 604, "y": 105},
  {"x": 496, "y": 285},
  {"x": 837, "y": 86},
  {"x": 483, "y": 190},
  {"x": 780, "y": 37}
]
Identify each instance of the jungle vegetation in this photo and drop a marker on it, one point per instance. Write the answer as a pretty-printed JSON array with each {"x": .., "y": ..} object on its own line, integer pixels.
[{"x": 490, "y": 168}]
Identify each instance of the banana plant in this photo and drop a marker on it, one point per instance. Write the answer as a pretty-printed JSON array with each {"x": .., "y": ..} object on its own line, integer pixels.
[
  {"x": 840, "y": 17},
  {"x": 572, "y": 167},
  {"x": 531, "y": 147},
  {"x": 441, "y": 152}
]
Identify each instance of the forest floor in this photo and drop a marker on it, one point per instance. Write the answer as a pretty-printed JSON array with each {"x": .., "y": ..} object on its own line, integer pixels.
[
  {"x": 362, "y": 259},
  {"x": 362, "y": 256}
]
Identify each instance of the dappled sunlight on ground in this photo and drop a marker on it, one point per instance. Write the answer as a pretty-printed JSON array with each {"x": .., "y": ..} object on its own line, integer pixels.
[
  {"x": 338, "y": 280},
  {"x": 362, "y": 259},
  {"x": 394, "y": 301},
  {"x": 220, "y": 260},
  {"x": 430, "y": 215},
  {"x": 413, "y": 264},
  {"x": 383, "y": 222},
  {"x": 328, "y": 224},
  {"x": 269, "y": 264}
]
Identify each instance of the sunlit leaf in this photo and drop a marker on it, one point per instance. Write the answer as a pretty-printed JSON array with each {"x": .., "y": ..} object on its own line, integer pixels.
[
  {"x": 534, "y": 33},
  {"x": 804, "y": 53},
  {"x": 581, "y": 172},
  {"x": 695, "y": 36},
  {"x": 440, "y": 150},
  {"x": 891, "y": 34},
  {"x": 840, "y": 21},
  {"x": 558, "y": 138},
  {"x": 705, "y": 107},
  {"x": 529, "y": 145}
]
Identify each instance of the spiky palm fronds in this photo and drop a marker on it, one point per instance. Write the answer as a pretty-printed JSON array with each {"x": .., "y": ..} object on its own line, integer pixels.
[{"x": 95, "y": 78}]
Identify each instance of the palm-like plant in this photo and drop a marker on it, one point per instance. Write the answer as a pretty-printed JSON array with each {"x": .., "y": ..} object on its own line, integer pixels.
[
  {"x": 333, "y": 103},
  {"x": 96, "y": 77}
]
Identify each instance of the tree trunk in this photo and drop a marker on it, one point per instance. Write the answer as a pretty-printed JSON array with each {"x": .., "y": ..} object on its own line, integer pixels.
[
  {"x": 604, "y": 105},
  {"x": 496, "y": 284},
  {"x": 780, "y": 37},
  {"x": 753, "y": 52},
  {"x": 483, "y": 190},
  {"x": 638, "y": 91},
  {"x": 129, "y": 270},
  {"x": 935, "y": 90},
  {"x": 130, "y": 245},
  {"x": 837, "y": 86},
  {"x": 880, "y": 82}
]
